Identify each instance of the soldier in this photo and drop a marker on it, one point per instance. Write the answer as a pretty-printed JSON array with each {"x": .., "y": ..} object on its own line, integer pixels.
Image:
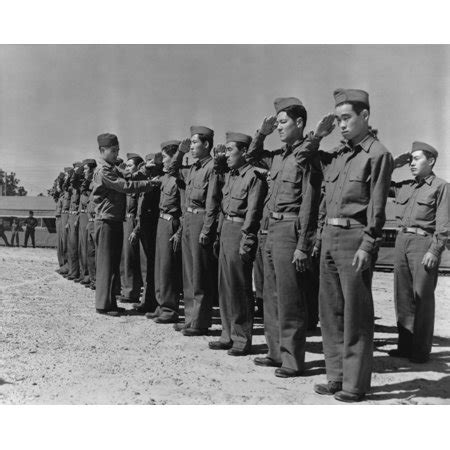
[
  {"x": 130, "y": 266},
  {"x": 85, "y": 192},
  {"x": 90, "y": 229},
  {"x": 243, "y": 196},
  {"x": 15, "y": 228},
  {"x": 168, "y": 268},
  {"x": 291, "y": 206},
  {"x": 109, "y": 189},
  {"x": 199, "y": 227},
  {"x": 30, "y": 225},
  {"x": 3, "y": 235},
  {"x": 357, "y": 178},
  {"x": 145, "y": 232},
  {"x": 422, "y": 211},
  {"x": 58, "y": 197},
  {"x": 72, "y": 224},
  {"x": 66, "y": 192}
]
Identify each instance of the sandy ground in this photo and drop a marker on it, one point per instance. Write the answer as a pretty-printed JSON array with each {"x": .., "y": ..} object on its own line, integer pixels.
[{"x": 56, "y": 350}]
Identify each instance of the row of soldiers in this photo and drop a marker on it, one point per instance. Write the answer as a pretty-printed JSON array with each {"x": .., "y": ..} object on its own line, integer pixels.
[{"x": 205, "y": 225}]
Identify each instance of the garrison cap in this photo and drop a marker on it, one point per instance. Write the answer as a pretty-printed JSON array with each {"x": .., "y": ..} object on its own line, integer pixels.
[
  {"x": 89, "y": 162},
  {"x": 231, "y": 136},
  {"x": 61, "y": 175},
  {"x": 170, "y": 143},
  {"x": 281, "y": 103},
  {"x": 67, "y": 169},
  {"x": 107, "y": 140},
  {"x": 416, "y": 145},
  {"x": 350, "y": 95},
  {"x": 202, "y": 130},
  {"x": 77, "y": 164},
  {"x": 150, "y": 156},
  {"x": 133, "y": 155}
]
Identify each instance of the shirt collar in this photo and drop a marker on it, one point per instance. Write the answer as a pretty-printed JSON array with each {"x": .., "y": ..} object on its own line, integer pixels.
[
  {"x": 242, "y": 170},
  {"x": 202, "y": 162},
  {"x": 365, "y": 143},
  {"x": 429, "y": 179},
  {"x": 289, "y": 148}
]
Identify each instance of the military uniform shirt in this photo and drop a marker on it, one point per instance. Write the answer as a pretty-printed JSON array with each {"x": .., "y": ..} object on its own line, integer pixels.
[
  {"x": 109, "y": 192},
  {"x": 424, "y": 204},
  {"x": 170, "y": 200},
  {"x": 294, "y": 185},
  {"x": 243, "y": 196},
  {"x": 357, "y": 181}
]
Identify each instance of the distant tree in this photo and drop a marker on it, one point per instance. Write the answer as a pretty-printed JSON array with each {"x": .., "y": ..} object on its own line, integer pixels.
[{"x": 9, "y": 184}]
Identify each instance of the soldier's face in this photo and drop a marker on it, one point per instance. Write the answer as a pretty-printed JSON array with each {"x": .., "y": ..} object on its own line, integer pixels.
[
  {"x": 110, "y": 154},
  {"x": 289, "y": 129},
  {"x": 352, "y": 125},
  {"x": 130, "y": 167},
  {"x": 198, "y": 148},
  {"x": 86, "y": 170},
  {"x": 233, "y": 155},
  {"x": 420, "y": 166}
]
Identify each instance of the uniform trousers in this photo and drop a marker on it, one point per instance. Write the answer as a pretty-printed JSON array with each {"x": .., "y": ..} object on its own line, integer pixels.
[
  {"x": 130, "y": 265},
  {"x": 414, "y": 287},
  {"x": 346, "y": 310},
  {"x": 64, "y": 238},
  {"x": 258, "y": 267},
  {"x": 29, "y": 233},
  {"x": 285, "y": 308},
  {"x": 199, "y": 274},
  {"x": 72, "y": 247},
  {"x": 91, "y": 251},
  {"x": 235, "y": 289},
  {"x": 108, "y": 242},
  {"x": 149, "y": 226},
  {"x": 59, "y": 242},
  {"x": 82, "y": 245},
  {"x": 168, "y": 270},
  {"x": 15, "y": 236}
]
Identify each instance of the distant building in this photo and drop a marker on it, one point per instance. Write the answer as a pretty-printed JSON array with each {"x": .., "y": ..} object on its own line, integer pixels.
[{"x": 19, "y": 207}]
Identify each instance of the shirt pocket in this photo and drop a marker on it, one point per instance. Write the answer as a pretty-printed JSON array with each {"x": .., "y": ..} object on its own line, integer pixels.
[
  {"x": 238, "y": 200},
  {"x": 400, "y": 206},
  {"x": 359, "y": 186},
  {"x": 426, "y": 208},
  {"x": 199, "y": 189}
]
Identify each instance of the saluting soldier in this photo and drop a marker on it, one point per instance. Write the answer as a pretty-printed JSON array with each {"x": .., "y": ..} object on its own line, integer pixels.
[
  {"x": 58, "y": 197},
  {"x": 243, "y": 195},
  {"x": 130, "y": 265},
  {"x": 357, "y": 178},
  {"x": 168, "y": 266},
  {"x": 145, "y": 232},
  {"x": 109, "y": 191},
  {"x": 65, "y": 218},
  {"x": 90, "y": 228},
  {"x": 199, "y": 226},
  {"x": 423, "y": 214},
  {"x": 72, "y": 224},
  {"x": 83, "y": 238},
  {"x": 291, "y": 206}
]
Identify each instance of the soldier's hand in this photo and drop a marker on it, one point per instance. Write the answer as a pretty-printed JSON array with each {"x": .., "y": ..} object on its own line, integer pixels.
[
  {"x": 269, "y": 125},
  {"x": 402, "y": 160},
  {"x": 300, "y": 260},
  {"x": 325, "y": 126},
  {"x": 361, "y": 260},
  {"x": 204, "y": 239},
  {"x": 176, "y": 242},
  {"x": 216, "y": 248},
  {"x": 158, "y": 159},
  {"x": 315, "y": 252},
  {"x": 430, "y": 261},
  {"x": 132, "y": 238},
  {"x": 185, "y": 145},
  {"x": 150, "y": 163},
  {"x": 219, "y": 151}
]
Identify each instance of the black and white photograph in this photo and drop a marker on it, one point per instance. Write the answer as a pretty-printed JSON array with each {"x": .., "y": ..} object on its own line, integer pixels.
[{"x": 236, "y": 224}]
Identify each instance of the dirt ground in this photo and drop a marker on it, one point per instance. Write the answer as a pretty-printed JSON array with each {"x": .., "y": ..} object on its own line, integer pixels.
[{"x": 57, "y": 350}]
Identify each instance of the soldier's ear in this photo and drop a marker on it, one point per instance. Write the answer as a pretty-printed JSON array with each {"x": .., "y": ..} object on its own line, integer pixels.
[
  {"x": 365, "y": 115},
  {"x": 299, "y": 122}
]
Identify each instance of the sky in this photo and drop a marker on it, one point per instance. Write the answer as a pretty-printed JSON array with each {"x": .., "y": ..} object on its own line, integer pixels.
[{"x": 56, "y": 99}]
